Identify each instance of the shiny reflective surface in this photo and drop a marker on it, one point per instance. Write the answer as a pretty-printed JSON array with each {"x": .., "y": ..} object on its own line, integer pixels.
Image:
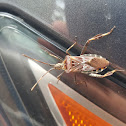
[
  {"x": 17, "y": 39},
  {"x": 18, "y": 109},
  {"x": 44, "y": 87}
]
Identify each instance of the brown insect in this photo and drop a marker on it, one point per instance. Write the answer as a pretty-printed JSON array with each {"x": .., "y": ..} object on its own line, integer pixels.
[{"x": 90, "y": 64}]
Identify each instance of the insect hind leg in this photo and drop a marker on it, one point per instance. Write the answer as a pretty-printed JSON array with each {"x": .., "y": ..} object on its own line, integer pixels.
[
  {"x": 105, "y": 75},
  {"x": 98, "y": 36}
]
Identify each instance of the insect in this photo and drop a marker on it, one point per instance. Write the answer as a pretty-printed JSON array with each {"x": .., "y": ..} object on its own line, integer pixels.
[{"x": 91, "y": 64}]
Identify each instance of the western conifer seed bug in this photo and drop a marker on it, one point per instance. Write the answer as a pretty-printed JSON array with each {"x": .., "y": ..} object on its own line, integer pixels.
[{"x": 91, "y": 64}]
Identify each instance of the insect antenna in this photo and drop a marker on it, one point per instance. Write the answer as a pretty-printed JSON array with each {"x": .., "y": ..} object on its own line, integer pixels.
[
  {"x": 38, "y": 60},
  {"x": 41, "y": 78}
]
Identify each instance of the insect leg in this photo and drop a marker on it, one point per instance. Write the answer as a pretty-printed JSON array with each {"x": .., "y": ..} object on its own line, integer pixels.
[
  {"x": 41, "y": 78},
  {"x": 58, "y": 77},
  {"x": 105, "y": 75},
  {"x": 98, "y": 36},
  {"x": 71, "y": 46},
  {"x": 38, "y": 60},
  {"x": 54, "y": 55}
]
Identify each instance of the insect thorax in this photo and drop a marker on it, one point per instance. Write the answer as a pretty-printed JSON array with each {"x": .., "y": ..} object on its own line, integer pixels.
[{"x": 83, "y": 63}]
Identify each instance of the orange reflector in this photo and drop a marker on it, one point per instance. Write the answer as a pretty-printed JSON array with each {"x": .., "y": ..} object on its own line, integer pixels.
[{"x": 73, "y": 113}]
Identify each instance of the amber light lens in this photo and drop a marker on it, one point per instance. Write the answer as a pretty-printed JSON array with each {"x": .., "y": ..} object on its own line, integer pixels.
[{"x": 73, "y": 113}]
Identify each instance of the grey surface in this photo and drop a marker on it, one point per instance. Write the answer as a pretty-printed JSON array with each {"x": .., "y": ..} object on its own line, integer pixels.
[
  {"x": 93, "y": 17},
  {"x": 84, "y": 18}
]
